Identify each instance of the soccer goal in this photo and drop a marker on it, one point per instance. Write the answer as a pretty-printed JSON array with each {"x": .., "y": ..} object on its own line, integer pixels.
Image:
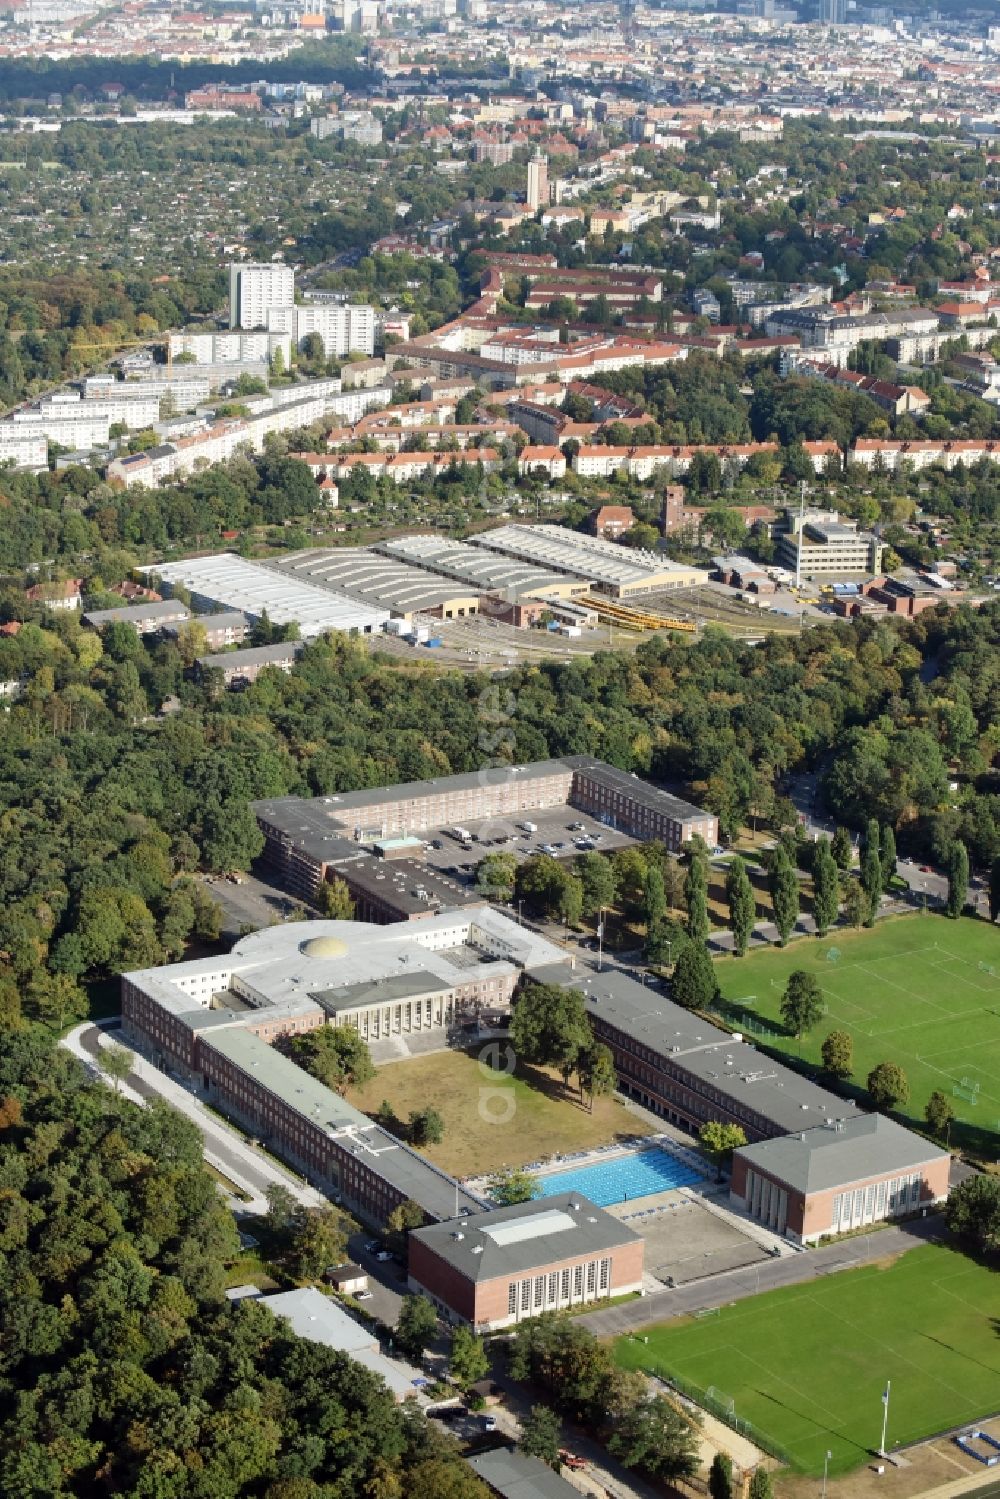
[
  {"x": 967, "y": 1090},
  {"x": 719, "y": 1401},
  {"x": 707, "y": 1311},
  {"x": 833, "y": 955},
  {"x": 988, "y": 968}
]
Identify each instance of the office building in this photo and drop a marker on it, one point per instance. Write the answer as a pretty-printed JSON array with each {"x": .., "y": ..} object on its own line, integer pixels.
[
  {"x": 499, "y": 1268},
  {"x": 255, "y": 288},
  {"x": 818, "y": 543}
]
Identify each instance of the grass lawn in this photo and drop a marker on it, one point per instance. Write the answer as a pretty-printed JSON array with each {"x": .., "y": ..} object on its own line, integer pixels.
[
  {"x": 484, "y": 1127},
  {"x": 808, "y": 1365},
  {"x": 919, "y": 990}
]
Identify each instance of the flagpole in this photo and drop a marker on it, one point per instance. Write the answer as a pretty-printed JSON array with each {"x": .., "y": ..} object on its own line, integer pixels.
[{"x": 885, "y": 1416}]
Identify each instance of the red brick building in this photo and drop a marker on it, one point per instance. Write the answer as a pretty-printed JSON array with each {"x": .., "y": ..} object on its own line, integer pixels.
[
  {"x": 612, "y": 521},
  {"x": 497, "y": 1268},
  {"x": 837, "y": 1177}
]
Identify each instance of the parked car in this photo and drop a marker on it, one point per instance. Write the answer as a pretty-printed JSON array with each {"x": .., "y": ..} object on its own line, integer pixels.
[
  {"x": 383, "y": 1255},
  {"x": 362, "y": 1295},
  {"x": 572, "y": 1461},
  {"x": 489, "y": 1423}
]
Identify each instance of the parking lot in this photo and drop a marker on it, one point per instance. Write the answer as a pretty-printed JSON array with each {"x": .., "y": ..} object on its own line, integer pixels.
[{"x": 559, "y": 831}]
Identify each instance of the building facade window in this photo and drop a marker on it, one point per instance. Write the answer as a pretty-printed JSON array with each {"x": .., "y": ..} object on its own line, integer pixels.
[{"x": 512, "y": 1299}]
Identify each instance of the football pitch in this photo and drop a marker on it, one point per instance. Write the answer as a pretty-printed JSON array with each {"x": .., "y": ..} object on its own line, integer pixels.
[
  {"x": 919, "y": 990},
  {"x": 807, "y": 1366}
]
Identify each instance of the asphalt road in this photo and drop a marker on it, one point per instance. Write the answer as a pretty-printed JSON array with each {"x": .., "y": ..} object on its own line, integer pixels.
[{"x": 769, "y": 1275}]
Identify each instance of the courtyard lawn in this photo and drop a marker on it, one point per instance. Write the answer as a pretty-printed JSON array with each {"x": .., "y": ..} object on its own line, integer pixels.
[
  {"x": 490, "y": 1119},
  {"x": 808, "y": 1365},
  {"x": 919, "y": 990}
]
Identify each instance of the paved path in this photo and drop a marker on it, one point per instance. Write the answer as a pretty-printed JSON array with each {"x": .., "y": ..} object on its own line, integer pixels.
[
  {"x": 225, "y": 1149},
  {"x": 769, "y": 1275}
]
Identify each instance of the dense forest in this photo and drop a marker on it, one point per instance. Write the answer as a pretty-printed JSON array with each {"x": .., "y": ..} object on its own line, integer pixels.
[
  {"x": 123, "y": 1369},
  {"x": 107, "y": 804}
]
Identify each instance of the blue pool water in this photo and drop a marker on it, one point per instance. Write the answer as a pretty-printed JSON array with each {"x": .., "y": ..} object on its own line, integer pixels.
[{"x": 623, "y": 1178}]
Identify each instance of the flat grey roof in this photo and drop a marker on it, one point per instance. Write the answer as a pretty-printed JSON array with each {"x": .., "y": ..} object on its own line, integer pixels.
[
  {"x": 710, "y": 1057},
  {"x": 513, "y": 1475},
  {"x": 515, "y": 1240},
  {"x": 400, "y": 881},
  {"x": 379, "y": 991},
  {"x": 852, "y": 1150},
  {"x": 437, "y": 1192}
]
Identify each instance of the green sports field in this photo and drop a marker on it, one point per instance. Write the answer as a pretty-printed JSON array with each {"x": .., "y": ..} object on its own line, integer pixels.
[
  {"x": 919, "y": 990},
  {"x": 807, "y": 1365}
]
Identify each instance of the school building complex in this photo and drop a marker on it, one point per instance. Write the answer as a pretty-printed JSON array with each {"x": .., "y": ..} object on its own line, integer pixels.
[{"x": 214, "y": 1022}]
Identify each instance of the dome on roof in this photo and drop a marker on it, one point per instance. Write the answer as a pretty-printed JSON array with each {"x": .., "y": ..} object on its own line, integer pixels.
[{"x": 325, "y": 947}]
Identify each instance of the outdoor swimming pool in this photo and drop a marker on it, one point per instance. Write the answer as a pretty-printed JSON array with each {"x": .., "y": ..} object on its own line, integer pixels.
[{"x": 623, "y": 1178}]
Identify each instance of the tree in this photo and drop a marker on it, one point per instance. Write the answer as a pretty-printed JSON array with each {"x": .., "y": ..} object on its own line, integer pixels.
[
  {"x": 467, "y": 1361},
  {"x": 719, "y": 1140},
  {"x": 887, "y": 855},
  {"x": 540, "y": 1435},
  {"x": 511, "y": 1185},
  {"x": 837, "y": 1053},
  {"x": 655, "y": 1437},
  {"x": 598, "y": 885},
  {"x": 335, "y": 900},
  {"x": 426, "y": 1126},
  {"x": 856, "y": 903},
  {"x": 495, "y": 876},
  {"x": 871, "y": 878},
  {"x": 598, "y": 1078},
  {"x": 887, "y": 1085},
  {"x": 319, "y": 1239},
  {"x": 549, "y": 1026},
  {"x": 826, "y": 888},
  {"x": 416, "y": 1325},
  {"x": 336, "y": 1055},
  {"x": 957, "y": 866},
  {"x": 405, "y": 1216},
  {"x": 720, "y": 1477},
  {"x": 843, "y": 853},
  {"x": 939, "y": 1111},
  {"x": 995, "y": 889},
  {"x": 742, "y": 905},
  {"x": 116, "y": 1062},
  {"x": 655, "y": 903},
  {"x": 801, "y": 1003},
  {"x": 760, "y": 1484},
  {"x": 973, "y": 1212},
  {"x": 783, "y": 882},
  {"x": 696, "y": 901},
  {"x": 694, "y": 984}
]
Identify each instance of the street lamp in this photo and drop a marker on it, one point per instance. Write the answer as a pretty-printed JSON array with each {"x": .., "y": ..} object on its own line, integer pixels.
[
  {"x": 600, "y": 939},
  {"x": 826, "y": 1461}
]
